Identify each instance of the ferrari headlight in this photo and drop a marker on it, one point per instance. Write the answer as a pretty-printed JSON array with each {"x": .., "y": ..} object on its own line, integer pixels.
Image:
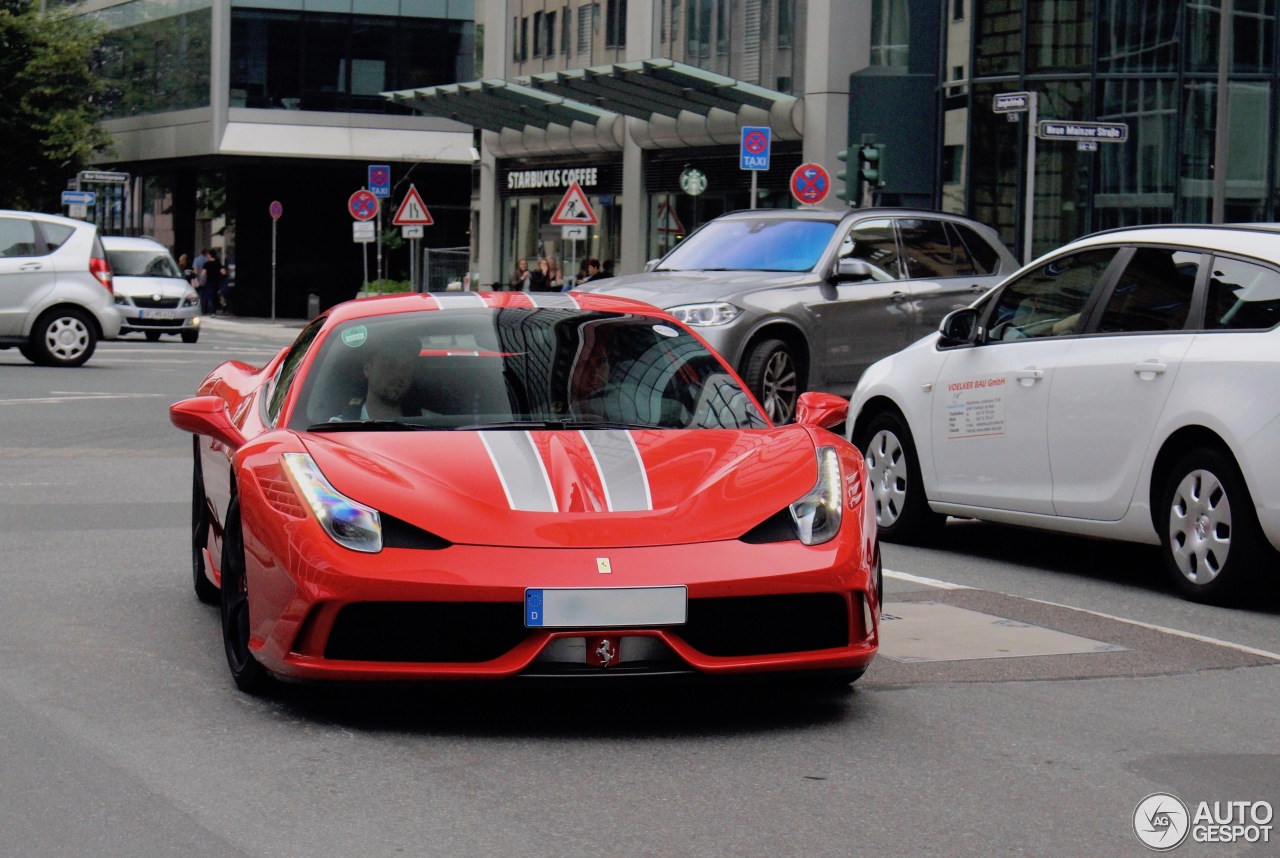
[
  {"x": 817, "y": 514},
  {"x": 705, "y": 315},
  {"x": 351, "y": 524}
]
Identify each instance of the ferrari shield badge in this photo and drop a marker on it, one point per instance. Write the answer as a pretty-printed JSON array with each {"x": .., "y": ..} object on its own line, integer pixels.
[{"x": 602, "y": 565}]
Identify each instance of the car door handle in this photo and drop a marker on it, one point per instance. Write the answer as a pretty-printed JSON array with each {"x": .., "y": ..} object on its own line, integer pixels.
[
  {"x": 1029, "y": 376},
  {"x": 31, "y": 266},
  {"x": 1149, "y": 369},
  {"x": 898, "y": 297}
]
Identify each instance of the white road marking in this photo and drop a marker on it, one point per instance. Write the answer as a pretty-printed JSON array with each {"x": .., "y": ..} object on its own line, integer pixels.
[
  {"x": 947, "y": 585},
  {"x": 61, "y": 397}
]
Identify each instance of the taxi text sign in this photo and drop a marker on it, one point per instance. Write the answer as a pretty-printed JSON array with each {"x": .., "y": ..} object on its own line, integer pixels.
[
  {"x": 754, "y": 151},
  {"x": 1103, "y": 132}
]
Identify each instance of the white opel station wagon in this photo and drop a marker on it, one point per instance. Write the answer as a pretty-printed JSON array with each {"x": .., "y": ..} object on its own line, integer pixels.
[{"x": 1125, "y": 386}]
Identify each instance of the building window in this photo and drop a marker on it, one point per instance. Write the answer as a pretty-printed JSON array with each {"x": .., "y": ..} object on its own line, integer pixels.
[
  {"x": 565, "y": 32},
  {"x": 890, "y": 28},
  {"x": 786, "y": 23},
  {"x": 154, "y": 66},
  {"x": 957, "y": 10},
  {"x": 722, "y": 27},
  {"x": 952, "y": 164},
  {"x": 586, "y": 27},
  {"x": 699, "y": 27},
  {"x": 515, "y": 40},
  {"x": 615, "y": 32},
  {"x": 539, "y": 34},
  {"x": 524, "y": 39}
]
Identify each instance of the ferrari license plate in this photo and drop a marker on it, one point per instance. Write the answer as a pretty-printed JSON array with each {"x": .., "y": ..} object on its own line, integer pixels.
[
  {"x": 156, "y": 314},
  {"x": 605, "y": 607}
]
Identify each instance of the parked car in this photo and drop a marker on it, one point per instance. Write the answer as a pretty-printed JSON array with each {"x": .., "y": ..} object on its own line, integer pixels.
[
  {"x": 55, "y": 288},
  {"x": 1120, "y": 387},
  {"x": 806, "y": 299},
  {"x": 152, "y": 293},
  {"x": 484, "y": 486}
]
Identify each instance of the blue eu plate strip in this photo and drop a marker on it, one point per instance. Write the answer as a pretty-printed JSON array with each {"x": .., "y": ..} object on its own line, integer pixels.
[{"x": 533, "y": 615}]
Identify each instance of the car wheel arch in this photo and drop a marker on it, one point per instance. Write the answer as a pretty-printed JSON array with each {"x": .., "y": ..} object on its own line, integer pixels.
[
  {"x": 1177, "y": 445},
  {"x": 786, "y": 332},
  {"x": 873, "y": 408},
  {"x": 60, "y": 307}
]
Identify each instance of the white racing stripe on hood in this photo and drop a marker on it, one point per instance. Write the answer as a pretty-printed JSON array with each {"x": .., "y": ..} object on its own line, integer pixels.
[
  {"x": 460, "y": 301},
  {"x": 521, "y": 471},
  {"x": 554, "y": 300},
  {"x": 626, "y": 484}
]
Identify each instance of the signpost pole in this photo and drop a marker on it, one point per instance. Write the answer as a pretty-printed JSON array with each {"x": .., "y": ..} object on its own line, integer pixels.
[
  {"x": 753, "y": 188},
  {"x": 378, "y": 240},
  {"x": 274, "y": 221},
  {"x": 1029, "y": 207}
]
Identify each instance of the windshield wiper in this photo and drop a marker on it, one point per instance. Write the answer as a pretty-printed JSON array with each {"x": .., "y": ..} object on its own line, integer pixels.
[{"x": 370, "y": 426}]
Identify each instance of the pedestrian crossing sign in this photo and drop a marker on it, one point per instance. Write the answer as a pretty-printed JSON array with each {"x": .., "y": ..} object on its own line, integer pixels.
[
  {"x": 413, "y": 211},
  {"x": 574, "y": 210}
]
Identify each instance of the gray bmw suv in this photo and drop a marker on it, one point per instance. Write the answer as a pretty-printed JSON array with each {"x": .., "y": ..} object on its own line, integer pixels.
[{"x": 807, "y": 299}]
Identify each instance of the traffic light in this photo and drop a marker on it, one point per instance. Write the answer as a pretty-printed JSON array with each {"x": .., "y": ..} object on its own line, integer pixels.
[
  {"x": 849, "y": 191},
  {"x": 871, "y": 171}
]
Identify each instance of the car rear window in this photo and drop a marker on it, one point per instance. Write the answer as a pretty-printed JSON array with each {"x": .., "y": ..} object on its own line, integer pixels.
[
  {"x": 1242, "y": 296},
  {"x": 1153, "y": 293},
  {"x": 56, "y": 234},
  {"x": 985, "y": 258},
  {"x": 752, "y": 244}
]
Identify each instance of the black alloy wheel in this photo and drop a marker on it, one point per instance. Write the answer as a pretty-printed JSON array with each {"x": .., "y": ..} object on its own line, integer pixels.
[{"x": 250, "y": 676}]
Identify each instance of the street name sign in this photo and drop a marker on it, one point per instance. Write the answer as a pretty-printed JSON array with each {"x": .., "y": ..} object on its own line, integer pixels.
[
  {"x": 1103, "y": 132},
  {"x": 1011, "y": 102},
  {"x": 102, "y": 176}
]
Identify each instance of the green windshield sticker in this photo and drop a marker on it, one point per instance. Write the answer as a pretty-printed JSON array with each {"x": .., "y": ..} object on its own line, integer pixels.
[{"x": 355, "y": 337}]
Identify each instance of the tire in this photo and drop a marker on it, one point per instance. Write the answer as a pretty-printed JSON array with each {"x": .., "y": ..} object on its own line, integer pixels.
[
  {"x": 902, "y": 508},
  {"x": 205, "y": 590},
  {"x": 771, "y": 372},
  {"x": 152, "y": 336},
  {"x": 1210, "y": 538},
  {"x": 190, "y": 336},
  {"x": 250, "y": 676},
  {"x": 64, "y": 336}
]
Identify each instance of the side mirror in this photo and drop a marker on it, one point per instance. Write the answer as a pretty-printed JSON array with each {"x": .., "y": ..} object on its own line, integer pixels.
[
  {"x": 959, "y": 328},
  {"x": 823, "y": 410},
  {"x": 206, "y": 415},
  {"x": 651, "y": 264},
  {"x": 853, "y": 269}
]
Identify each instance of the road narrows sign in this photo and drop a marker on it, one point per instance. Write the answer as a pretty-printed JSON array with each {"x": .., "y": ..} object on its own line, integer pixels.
[
  {"x": 413, "y": 211},
  {"x": 574, "y": 210}
]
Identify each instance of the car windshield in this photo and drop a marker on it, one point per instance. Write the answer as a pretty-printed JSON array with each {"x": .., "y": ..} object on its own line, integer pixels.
[
  {"x": 517, "y": 368},
  {"x": 143, "y": 263},
  {"x": 752, "y": 244}
]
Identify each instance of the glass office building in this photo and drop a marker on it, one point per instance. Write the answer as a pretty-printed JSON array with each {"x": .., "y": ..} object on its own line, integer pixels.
[
  {"x": 1199, "y": 101},
  {"x": 217, "y": 108}
]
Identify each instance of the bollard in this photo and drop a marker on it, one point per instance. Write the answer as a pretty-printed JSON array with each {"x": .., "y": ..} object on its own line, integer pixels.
[{"x": 313, "y": 305}]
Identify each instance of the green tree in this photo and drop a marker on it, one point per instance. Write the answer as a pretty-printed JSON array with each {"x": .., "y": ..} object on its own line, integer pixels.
[{"x": 49, "y": 103}]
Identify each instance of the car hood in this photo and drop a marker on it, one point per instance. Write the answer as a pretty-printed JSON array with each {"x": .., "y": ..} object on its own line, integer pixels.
[
  {"x": 673, "y": 288},
  {"x": 165, "y": 287},
  {"x": 600, "y": 488}
]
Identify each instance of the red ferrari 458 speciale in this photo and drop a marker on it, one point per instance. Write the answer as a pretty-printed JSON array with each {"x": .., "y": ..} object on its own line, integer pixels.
[{"x": 485, "y": 486}]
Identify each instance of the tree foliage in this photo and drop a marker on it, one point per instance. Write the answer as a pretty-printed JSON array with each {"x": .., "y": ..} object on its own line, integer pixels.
[{"x": 49, "y": 103}]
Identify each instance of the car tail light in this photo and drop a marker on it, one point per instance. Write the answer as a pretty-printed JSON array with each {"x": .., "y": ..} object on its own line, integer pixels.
[{"x": 100, "y": 268}]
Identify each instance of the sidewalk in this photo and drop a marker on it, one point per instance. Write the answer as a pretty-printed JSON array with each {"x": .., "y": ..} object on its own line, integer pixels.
[{"x": 232, "y": 322}]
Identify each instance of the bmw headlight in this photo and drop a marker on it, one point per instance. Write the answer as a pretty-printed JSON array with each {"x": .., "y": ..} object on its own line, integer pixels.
[
  {"x": 351, "y": 524},
  {"x": 817, "y": 514},
  {"x": 705, "y": 315}
]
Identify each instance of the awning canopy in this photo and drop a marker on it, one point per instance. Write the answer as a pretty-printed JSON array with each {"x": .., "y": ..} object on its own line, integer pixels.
[{"x": 675, "y": 105}]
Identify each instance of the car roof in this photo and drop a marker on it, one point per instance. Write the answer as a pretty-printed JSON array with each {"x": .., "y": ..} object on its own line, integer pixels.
[
  {"x": 1253, "y": 239},
  {"x": 382, "y": 305},
  {"x": 123, "y": 242},
  {"x": 73, "y": 222},
  {"x": 835, "y": 215}
]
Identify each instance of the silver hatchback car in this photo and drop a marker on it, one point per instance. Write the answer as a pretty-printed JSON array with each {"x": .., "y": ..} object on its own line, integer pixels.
[
  {"x": 151, "y": 292},
  {"x": 55, "y": 288},
  {"x": 807, "y": 299}
]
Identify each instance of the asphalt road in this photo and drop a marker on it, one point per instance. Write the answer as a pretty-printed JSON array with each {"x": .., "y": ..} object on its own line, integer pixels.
[{"x": 123, "y": 734}]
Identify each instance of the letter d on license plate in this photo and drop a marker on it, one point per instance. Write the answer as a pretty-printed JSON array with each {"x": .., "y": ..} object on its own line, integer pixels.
[{"x": 601, "y": 607}]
